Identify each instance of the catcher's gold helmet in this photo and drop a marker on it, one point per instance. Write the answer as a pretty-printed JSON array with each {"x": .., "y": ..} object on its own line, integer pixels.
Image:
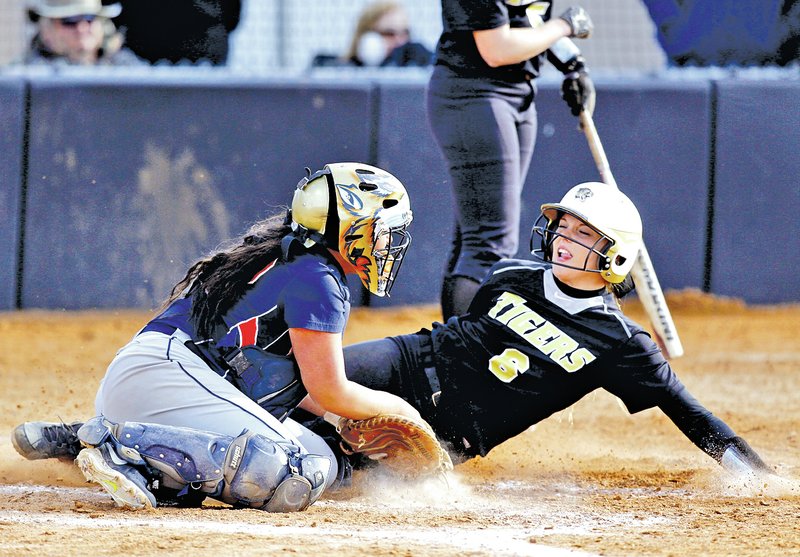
[
  {"x": 610, "y": 213},
  {"x": 360, "y": 211}
]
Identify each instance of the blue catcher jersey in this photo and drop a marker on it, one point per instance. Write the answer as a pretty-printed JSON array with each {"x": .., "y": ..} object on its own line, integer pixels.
[
  {"x": 308, "y": 292},
  {"x": 526, "y": 350}
]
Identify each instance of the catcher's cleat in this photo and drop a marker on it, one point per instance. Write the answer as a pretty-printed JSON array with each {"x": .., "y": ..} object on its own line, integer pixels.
[
  {"x": 37, "y": 440},
  {"x": 122, "y": 481}
]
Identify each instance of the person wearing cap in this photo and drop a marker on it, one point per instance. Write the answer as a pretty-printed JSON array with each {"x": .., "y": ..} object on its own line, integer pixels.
[{"x": 76, "y": 32}]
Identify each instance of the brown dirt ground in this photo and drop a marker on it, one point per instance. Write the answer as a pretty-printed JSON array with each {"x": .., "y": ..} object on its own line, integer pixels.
[{"x": 591, "y": 480}]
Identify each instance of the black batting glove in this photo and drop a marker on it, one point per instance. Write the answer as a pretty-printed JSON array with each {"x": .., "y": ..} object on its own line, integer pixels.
[
  {"x": 579, "y": 21},
  {"x": 578, "y": 91}
]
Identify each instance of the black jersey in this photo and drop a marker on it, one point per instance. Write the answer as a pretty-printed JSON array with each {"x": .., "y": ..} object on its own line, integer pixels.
[
  {"x": 526, "y": 350},
  {"x": 457, "y": 50}
]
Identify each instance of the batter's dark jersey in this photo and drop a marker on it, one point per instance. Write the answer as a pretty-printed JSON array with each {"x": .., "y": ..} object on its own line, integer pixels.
[
  {"x": 526, "y": 350},
  {"x": 457, "y": 50}
]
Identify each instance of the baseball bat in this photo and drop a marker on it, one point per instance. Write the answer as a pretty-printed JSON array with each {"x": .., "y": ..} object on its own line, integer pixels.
[{"x": 643, "y": 273}]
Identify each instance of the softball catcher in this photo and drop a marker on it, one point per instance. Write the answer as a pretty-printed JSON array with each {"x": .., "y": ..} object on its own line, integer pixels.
[{"x": 197, "y": 403}]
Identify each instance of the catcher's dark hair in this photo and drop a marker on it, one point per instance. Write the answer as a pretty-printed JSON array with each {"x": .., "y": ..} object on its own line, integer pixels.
[{"x": 218, "y": 281}]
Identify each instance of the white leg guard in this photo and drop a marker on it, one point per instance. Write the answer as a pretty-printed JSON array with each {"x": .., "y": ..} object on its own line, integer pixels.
[{"x": 250, "y": 470}]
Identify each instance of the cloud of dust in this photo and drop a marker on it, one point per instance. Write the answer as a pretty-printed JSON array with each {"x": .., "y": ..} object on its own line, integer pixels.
[
  {"x": 14, "y": 469},
  {"x": 754, "y": 485},
  {"x": 446, "y": 491}
]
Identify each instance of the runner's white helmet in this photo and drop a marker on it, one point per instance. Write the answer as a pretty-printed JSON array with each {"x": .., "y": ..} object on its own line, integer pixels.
[{"x": 606, "y": 210}]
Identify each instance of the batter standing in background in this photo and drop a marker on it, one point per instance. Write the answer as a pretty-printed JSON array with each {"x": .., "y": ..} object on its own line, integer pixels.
[{"x": 480, "y": 103}]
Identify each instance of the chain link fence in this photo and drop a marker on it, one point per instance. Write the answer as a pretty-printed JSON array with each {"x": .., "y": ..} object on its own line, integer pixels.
[
  {"x": 285, "y": 35},
  {"x": 280, "y": 37}
]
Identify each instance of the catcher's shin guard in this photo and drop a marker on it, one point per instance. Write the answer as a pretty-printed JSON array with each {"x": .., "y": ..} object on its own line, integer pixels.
[{"x": 250, "y": 470}]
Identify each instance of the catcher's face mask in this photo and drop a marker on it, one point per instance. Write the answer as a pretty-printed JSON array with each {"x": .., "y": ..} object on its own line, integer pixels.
[
  {"x": 360, "y": 211},
  {"x": 377, "y": 255}
]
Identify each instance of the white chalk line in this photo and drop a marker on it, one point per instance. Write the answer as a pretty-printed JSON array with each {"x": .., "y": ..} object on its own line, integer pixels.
[{"x": 493, "y": 541}]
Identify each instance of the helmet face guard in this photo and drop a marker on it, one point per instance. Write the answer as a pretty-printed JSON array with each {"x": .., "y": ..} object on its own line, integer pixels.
[
  {"x": 605, "y": 210},
  {"x": 546, "y": 227},
  {"x": 378, "y": 257}
]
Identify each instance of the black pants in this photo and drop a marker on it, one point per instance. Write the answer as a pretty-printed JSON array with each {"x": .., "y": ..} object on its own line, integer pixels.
[
  {"x": 405, "y": 366},
  {"x": 486, "y": 132},
  {"x": 401, "y": 365}
]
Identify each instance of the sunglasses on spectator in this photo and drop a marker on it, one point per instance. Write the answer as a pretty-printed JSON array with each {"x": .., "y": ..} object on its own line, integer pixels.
[
  {"x": 392, "y": 33},
  {"x": 73, "y": 21}
]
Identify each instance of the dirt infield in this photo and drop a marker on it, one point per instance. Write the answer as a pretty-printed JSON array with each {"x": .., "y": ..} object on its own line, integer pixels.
[{"x": 591, "y": 480}]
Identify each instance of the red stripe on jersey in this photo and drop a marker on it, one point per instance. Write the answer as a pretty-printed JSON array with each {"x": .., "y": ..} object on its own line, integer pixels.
[
  {"x": 259, "y": 274},
  {"x": 248, "y": 332}
]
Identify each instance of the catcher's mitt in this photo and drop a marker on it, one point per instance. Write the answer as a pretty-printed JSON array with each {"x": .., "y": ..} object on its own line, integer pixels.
[{"x": 406, "y": 447}]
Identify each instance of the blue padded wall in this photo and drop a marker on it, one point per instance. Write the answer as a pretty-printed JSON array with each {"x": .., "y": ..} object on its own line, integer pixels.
[
  {"x": 131, "y": 181},
  {"x": 757, "y": 199},
  {"x": 406, "y": 148},
  {"x": 12, "y": 109},
  {"x": 657, "y": 140}
]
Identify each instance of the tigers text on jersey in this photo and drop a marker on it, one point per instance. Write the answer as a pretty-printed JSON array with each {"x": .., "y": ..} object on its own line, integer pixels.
[{"x": 526, "y": 350}]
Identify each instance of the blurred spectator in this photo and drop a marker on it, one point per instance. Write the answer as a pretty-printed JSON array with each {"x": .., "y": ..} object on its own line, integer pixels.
[
  {"x": 175, "y": 31},
  {"x": 76, "y": 32},
  {"x": 727, "y": 32},
  {"x": 382, "y": 38}
]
